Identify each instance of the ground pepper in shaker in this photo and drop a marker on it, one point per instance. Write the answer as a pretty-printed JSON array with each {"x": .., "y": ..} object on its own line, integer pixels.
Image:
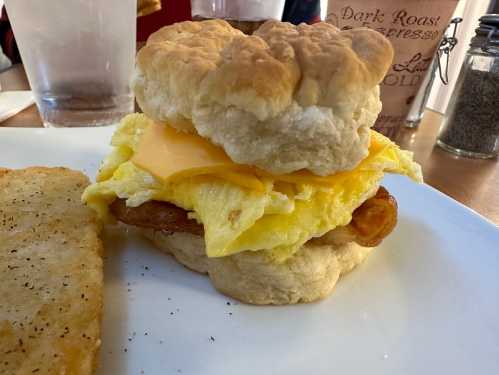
[{"x": 471, "y": 126}]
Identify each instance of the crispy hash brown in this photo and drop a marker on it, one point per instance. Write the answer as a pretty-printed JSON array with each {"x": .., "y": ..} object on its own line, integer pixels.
[{"x": 50, "y": 259}]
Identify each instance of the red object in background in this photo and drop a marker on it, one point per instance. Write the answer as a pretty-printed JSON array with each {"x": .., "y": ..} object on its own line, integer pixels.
[
  {"x": 171, "y": 11},
  {"x": 7, "y": 40}
]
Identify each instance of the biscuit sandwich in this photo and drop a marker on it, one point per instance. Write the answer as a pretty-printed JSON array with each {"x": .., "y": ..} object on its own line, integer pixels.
[{"x": 253, "y": 160}]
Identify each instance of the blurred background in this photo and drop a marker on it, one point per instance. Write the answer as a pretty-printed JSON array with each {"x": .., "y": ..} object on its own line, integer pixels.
[
  {"x": 153, "y": 14},
  {"x": 470, "y": 10}
]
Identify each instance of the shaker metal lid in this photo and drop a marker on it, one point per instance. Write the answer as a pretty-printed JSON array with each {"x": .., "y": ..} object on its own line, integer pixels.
[
  {"x": 488, "y": 29},
  {"x": 489, "y": 26},
  {"x": 490, "y": 19}
]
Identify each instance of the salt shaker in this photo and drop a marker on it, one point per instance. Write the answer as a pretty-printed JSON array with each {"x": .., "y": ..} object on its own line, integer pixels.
[{"x": 471, "y": 126}]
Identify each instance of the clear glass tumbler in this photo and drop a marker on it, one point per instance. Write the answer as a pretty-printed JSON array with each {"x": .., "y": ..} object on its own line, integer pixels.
[
  {"x": 245, "y": 15},
  {"x": 78, "y": 56}
]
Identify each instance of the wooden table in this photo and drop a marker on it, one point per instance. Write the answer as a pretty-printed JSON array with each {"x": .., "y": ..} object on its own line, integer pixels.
[{"x": 473, "y": 182}]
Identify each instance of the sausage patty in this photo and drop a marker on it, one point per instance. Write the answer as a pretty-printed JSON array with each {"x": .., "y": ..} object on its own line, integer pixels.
[
  {"x": 371, "y": 222},
  {"x": 157, "y": 215}
]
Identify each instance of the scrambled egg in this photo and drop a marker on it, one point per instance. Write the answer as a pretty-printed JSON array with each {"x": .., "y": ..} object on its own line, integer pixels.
[{"x": 280, "y": 218}]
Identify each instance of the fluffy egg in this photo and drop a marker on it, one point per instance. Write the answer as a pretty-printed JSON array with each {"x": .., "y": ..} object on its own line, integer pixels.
[{"x": 280, "y": 218}]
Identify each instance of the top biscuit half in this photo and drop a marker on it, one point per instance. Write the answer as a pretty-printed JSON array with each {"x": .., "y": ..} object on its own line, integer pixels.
[{"x": 286, "y": 98}]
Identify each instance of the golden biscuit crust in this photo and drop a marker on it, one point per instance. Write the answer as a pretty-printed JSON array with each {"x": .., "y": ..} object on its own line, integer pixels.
[
  {"x": 285, "y": 98},
  {"x": 253, "y": 277},
  {"x": 316, "y": 64}
]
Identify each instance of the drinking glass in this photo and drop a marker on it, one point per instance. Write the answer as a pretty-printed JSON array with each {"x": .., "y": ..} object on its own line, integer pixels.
[
  {"x": 78, "y": 56},
  {"x": 245, "y": 15}
]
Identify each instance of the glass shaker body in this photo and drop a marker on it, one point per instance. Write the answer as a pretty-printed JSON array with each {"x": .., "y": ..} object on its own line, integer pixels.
[{"x": 471, "y": 126}]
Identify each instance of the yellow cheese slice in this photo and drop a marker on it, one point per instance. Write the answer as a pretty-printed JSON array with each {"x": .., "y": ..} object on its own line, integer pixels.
[{"x": 172, "y": 155}]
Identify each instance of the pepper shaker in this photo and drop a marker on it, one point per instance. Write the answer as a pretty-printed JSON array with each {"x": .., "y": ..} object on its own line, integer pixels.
[{"x": 471, "y": 126}]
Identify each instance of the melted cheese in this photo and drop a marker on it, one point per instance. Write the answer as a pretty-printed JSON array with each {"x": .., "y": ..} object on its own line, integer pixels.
[{"x": 170, "y": 156}]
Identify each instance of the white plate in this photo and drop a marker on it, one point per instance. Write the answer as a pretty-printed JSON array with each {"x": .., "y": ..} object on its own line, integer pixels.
[{"x": 425, "y": 302}]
